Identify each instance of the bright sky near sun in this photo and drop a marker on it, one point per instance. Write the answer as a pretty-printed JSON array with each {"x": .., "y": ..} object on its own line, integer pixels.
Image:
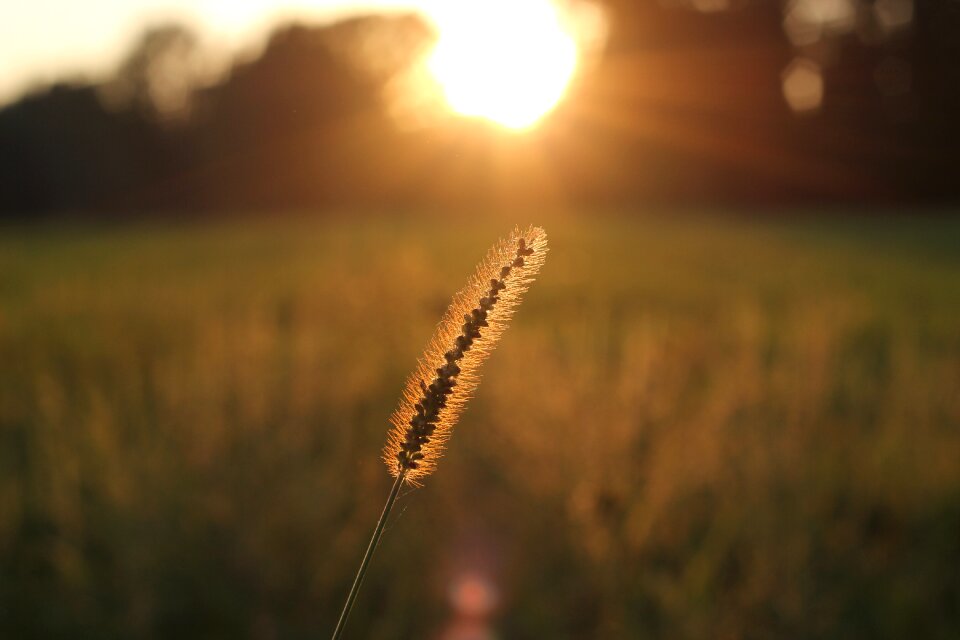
[
  {"x": 514, "y": 82},
  {"x": 43, "y": 40}
]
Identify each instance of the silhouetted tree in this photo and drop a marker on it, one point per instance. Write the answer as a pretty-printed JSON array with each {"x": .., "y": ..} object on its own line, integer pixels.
[{"x": 159, "y": 76}]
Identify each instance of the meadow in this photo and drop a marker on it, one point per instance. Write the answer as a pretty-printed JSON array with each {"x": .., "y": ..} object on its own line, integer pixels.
[{"x": 697, "y": 426}]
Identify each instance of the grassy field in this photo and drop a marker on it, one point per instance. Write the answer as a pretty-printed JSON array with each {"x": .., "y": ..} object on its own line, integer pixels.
[{"x": 697, "y": 427}]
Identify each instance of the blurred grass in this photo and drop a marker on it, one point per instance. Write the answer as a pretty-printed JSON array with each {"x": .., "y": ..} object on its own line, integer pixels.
[{"x": 697, "y": 427}]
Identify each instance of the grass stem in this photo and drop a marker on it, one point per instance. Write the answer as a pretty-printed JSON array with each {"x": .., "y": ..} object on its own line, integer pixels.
[{"x": 369, "y": 554}]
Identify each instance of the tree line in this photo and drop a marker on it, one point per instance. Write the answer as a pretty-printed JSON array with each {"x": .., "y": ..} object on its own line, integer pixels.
[{"x": 681, "y": 106}]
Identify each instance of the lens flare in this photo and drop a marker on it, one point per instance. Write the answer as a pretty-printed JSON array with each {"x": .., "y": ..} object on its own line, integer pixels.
[{"x": 507, "y": 61}]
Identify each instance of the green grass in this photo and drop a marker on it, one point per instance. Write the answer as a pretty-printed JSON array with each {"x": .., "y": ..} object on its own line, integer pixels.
[{"x": 697, "y": 427}]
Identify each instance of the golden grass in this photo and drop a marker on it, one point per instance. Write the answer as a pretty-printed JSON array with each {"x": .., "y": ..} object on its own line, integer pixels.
[
  {"x": 448, "y": 372},
  {"x": 741, "y": 427},
  {"x": 451, "y": 362}
]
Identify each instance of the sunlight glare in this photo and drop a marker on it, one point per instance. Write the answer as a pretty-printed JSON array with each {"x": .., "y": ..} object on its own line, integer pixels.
[{"x": 507, "y": 61}]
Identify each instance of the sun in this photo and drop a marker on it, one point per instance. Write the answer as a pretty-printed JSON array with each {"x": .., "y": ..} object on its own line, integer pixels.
[{"x": 507, "y": 61}]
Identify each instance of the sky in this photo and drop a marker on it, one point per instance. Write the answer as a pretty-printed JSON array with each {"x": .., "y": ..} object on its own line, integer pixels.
[{"x": 46, "y": 40}]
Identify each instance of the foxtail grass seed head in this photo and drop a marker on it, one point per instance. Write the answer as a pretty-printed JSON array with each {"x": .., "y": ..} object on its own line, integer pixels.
[{"x": 438, "y": 390}]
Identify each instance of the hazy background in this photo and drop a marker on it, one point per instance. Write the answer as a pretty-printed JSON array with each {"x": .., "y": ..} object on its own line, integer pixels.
[
  {"x": 813, "y": 101},
  {"x": 728, "y": 407}
]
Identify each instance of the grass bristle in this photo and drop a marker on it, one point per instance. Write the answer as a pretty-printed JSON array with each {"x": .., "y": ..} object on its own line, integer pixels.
[{"x": 447, "y": 374}]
